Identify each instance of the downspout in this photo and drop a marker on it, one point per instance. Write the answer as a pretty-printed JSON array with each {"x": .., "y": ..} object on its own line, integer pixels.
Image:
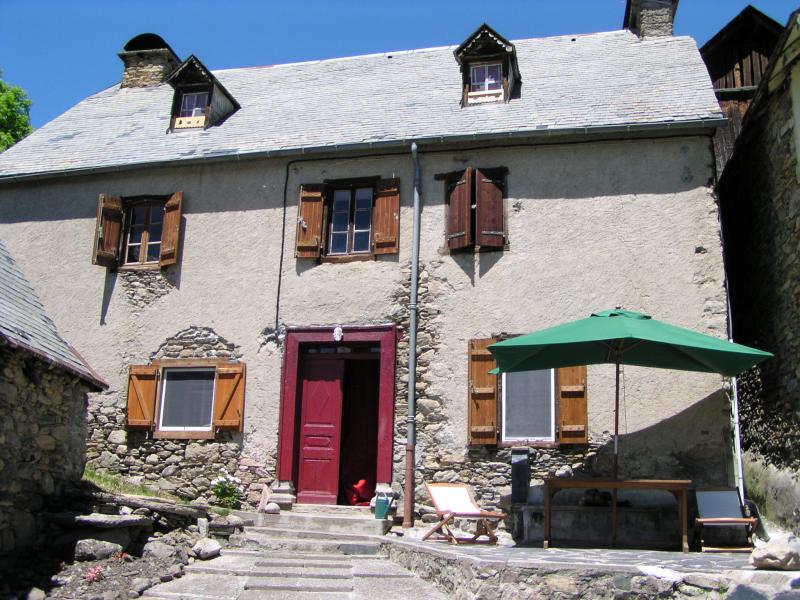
[{"x": 411, "y": 419}]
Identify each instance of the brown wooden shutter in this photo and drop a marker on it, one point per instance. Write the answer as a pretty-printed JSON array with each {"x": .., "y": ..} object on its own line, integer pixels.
[
  {"x": 489, "y": 228},
  {"x": 142, "y": 387},
  {"x": 459, "y": 212},
  {"x": 482, "y": 394},
  {"x": 171, "y": 230},
  {"x": 310, "y": 215},
  {"x": 229, "y": 397},
  {"x": 572, "y": 405},
  {"x": 107, "y": 231},
  {"x": 386, "y": 217}
]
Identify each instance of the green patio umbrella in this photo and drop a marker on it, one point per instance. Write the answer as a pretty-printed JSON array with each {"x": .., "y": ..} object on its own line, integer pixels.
[{"x": 623, "y": 337}]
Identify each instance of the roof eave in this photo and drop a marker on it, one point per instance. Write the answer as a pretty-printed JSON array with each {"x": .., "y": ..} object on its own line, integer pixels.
[{"x": 697, "y": 126}]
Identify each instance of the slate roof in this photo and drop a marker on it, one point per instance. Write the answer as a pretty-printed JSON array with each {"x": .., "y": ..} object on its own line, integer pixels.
[
  {"x": 570, "y": 84},
  {"x": 24, "y": 324}
]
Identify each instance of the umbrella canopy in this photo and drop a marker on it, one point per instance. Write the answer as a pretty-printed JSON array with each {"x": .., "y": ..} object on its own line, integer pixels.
[
  {"x": 634, "y": 338},
  {"x": 623, "y": 337}
]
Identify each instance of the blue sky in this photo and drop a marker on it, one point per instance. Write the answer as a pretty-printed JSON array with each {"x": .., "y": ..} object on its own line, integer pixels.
[{"x": 61, "y": 51}]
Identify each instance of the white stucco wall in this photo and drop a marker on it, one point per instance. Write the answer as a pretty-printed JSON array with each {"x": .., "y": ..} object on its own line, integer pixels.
[{"x": 591, "y": 226}]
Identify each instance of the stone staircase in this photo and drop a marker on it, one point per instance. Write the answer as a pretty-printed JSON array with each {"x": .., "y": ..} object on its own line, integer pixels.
[{"x": 310, "y": 552}]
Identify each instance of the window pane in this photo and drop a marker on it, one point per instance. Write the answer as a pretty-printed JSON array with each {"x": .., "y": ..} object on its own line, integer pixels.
[
  {"x": 188, "y": 398},
  {"x": 136, "y": 234},
  {"x": 338, "y": 243},
  {"x": 527, "y": 407},
  {"x": 193, "y": 104},
  {"x": 478, "y": 77},
  {"x": 153, "y": 252},
  {"x": 361, "y": 241},
  {"x": 133, "y": 253},
  {"x": 341, "y": 200},
  {"x": 137, "y": 215},
  {"x": 156, "y": 214},
  {"x": 155, "y": 232},
  {"x": 493, "y": 77},
  {"x": 340, "y": 221},
  {"x": 363, "y": 198},
  {"x": 363, "y": 219}
]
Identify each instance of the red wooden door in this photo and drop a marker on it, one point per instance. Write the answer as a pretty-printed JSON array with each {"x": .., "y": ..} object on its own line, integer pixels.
[{"x": 320, "y": 431}]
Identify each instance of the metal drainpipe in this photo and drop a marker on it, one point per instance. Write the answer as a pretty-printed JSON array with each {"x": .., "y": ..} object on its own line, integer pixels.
[{"x": 411, "y": 419}]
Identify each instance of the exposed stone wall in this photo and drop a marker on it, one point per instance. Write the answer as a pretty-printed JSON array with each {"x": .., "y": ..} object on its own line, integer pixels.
[
  {"x": 486, "y": 468},
  {"x": 147, "y": 68},
  {"x": 142, "y": 288},
  {"x": 42, "y": 441},
  {"x": 654, "y": 17},
  {"x": 184, "y": 468},
  {"x": 760, "y": 200}
]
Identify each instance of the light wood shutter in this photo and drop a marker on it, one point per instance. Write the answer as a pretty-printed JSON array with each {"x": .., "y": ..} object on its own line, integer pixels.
[
  {"x": 386, "y": 217},
  {"x": 142, "y": 387},
  {"x": 459, "y": 212},
  {"x": 229, "y": 397},
  {"x": 107, "y": 231},
  {"x": 489, "y": 226},
  {"x": 572, "y": 405},
  {"x": 171, "y": 230},
  {"x": 482, "y": 394},
  {"x": 310, "y": 216}
]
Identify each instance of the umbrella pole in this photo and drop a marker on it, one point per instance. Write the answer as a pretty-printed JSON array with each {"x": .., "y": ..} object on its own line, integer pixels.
[{"x": 615, "y": 471}]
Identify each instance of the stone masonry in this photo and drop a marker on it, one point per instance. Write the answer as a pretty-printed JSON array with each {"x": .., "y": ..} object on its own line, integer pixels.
[
  {"x": 760, "y": 200},
  {"x": 142, "y": 288},
  {"x": 42, "y": 442},
  {"x": 184, "y": 468}
]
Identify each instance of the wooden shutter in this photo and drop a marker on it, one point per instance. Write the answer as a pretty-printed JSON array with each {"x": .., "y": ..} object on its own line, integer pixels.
[
  {"x": 107, "y": 231},
  {"x": 482, "y": 394},
  {"x": 459, "y": 212},
  {"x": 142, "y": 387},
  {"x": 310, "y": 215},
  {"x": 386, "y": 217},
  {"x": 489, "y": 227},
  {"x": 171, "y": 230},
  {"x": 229, "y": 397},
  {"x": 572, "y": 405}
]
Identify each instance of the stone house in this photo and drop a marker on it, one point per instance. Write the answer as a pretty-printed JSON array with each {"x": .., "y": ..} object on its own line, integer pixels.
[
  {"x": 760, "y": 209},
  {"x": 44, "y": 388},
  {"x": 240, "y": 271}
]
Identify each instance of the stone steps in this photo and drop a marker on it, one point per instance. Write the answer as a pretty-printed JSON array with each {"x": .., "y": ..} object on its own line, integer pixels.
[
  {"x": 303, "y": 534},
  {"x": 338, "y": 522},
  {"x": 315, "y": 545}
]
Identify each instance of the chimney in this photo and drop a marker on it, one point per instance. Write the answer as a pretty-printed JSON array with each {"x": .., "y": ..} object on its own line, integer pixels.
[
  {"x": 650, "y": 18},
  {"x": 148, "y": 61}
]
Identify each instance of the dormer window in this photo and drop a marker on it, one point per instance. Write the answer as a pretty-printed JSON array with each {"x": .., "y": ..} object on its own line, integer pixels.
[
  {"x": 200, "y": 99},
  {"x": 488, "y": 67}
]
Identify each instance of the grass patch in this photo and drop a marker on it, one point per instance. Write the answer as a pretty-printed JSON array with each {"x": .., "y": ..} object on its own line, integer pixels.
[
  {"x": 117, "y": 485},
  {"x": 222, "y": 512}
]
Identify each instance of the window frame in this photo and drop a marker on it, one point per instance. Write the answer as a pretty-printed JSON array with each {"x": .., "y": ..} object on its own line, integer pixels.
[
  {"x": 529, "y": 441},
  {"x": 128, "y": 206},
  {"x": 352, "y": 186},
  {"x": 178, "y": 122},
  {"x": 485, "y": 96},
  {"x": 485, "y": 66},
  {"x": 161, "y": 399}
]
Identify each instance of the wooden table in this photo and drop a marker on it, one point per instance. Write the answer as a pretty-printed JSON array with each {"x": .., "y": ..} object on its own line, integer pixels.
[{"x": 678, "y": 487}]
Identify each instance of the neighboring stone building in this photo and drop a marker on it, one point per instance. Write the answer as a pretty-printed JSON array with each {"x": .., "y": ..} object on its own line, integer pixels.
[
  {"x": 760, "y": 206},
  {"x": 44, "y": 386},
  {"x": 252, "y": 245}
]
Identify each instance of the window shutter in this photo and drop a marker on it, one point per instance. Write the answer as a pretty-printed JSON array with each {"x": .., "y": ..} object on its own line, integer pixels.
[
  {"x": 107, "y": 231},
  {"x": 310, "y": 214},
  {"x": 171, "y": 230},
  {"x": 142, "y": 386},
  {"x": 572, "y": 406},
  {"x": 229, "y": 397},
  {"x": 459, "y": 211},
  {"x": 489, "y": 229},
  {"x": 386, "y": 217},
  {"x": 482, "y": 394}
]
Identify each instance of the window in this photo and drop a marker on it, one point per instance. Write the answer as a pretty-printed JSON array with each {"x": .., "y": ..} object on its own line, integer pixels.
[
  {"x": 531, "y": 407},
  {"x": 351, "y": 221},
  {"x": 200, "y": 100},
  {"x": 485, "y": 83},
  {"x": 193, "y": 104},
  {"x": 186, "y": 398},
  {"x": 348, "y": 220},
  {"x": 489, "y": 68},
  {"x": 143, "y": 226},
  {"x": 475, "y": 209},
  {"x": 141, "y": 232}
]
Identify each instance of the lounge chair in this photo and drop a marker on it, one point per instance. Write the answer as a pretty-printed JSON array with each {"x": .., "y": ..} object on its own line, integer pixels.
[
  {"x": 721, "y": 508},
  {"x": 455, "y": 501}
]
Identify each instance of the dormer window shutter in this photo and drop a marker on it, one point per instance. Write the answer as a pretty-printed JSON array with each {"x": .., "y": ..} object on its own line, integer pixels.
[
  {"x": 459, "y": 212},
  {"x": 107, "y": 232}
]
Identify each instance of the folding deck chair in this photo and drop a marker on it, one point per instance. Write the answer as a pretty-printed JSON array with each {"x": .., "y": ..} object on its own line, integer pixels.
[
  {"x": 721, "y": 508},
  {"x": 455, "y": 501}
]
